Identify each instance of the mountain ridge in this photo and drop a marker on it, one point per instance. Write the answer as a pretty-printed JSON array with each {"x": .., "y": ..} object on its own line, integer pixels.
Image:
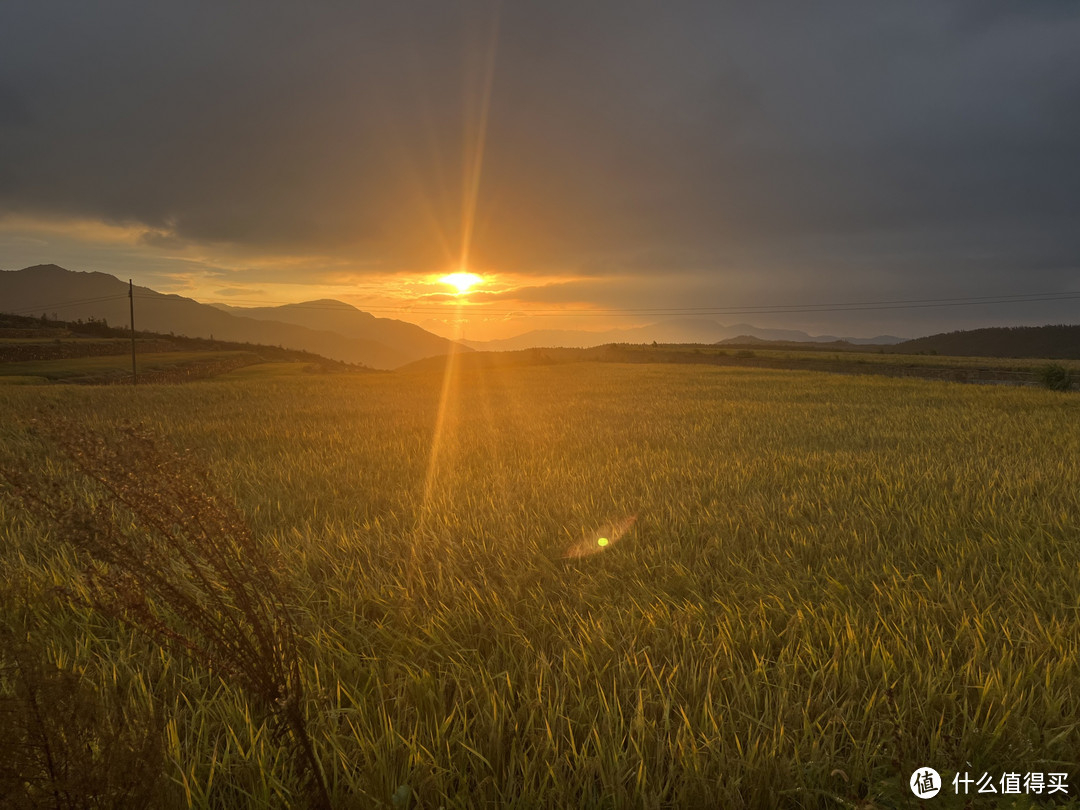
[
  {"x": 345, "y": 319},
  {"x": 672, "y": 330},
  {"x": 49, "y": 289},
  {"x": 1052, "y": 341}
]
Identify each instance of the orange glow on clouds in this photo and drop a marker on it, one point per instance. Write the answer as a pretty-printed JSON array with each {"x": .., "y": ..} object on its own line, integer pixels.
[{"x": 240, "y": 276}]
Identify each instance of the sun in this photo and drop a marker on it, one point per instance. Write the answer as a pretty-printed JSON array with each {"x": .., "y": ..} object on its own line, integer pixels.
[{"x": 463, "y": 282}]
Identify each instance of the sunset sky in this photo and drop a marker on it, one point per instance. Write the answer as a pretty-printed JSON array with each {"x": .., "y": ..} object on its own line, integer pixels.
[{"x": 597, "y": 164}]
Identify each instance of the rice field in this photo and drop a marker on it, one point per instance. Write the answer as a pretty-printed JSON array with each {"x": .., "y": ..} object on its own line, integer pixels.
[{"x": 810, "y": 585}]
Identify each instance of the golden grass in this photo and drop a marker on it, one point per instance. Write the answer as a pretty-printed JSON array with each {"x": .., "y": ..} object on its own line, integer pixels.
[
  {"x": 830, "y": 581},
  {"x": 268, "y": 370}
]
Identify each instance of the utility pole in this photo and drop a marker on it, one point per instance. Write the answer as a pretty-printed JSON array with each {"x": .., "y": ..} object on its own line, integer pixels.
[{"x": 131, "y": 300}]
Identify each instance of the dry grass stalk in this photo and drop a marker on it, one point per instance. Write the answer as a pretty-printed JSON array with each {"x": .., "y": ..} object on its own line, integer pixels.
[
  {"x": 170, "y": 556},
  {"x": 65, "y": 747}
]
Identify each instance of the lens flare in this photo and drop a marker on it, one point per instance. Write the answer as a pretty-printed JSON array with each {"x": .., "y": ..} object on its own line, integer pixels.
[{"x": 597, "y": 541}]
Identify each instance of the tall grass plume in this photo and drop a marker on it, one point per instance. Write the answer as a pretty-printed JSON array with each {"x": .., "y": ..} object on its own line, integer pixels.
[{"x": 166, "y": 553}]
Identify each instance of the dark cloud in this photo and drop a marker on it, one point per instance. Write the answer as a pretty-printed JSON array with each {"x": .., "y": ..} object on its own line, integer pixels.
[
  {"x": 14, "y": 111},
  {"x": 826, "y": 145},
  {"x": 161, "y": 239}
]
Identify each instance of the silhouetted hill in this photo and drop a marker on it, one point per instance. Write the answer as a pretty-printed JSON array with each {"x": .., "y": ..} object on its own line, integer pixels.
[
  {"x": 57, "y": 292},
  {"x": 347, "y": 320},
  {"x": 1056, "y": 342},
  {"x": 673, "y": 330},
  {"x": 802, "y": 345},
  {"x": 21, "y": 341}
]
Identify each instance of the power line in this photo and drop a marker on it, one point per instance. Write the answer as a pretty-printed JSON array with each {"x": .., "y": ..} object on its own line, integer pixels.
[
  {"x": 131, "y": 302},
  {"x": 66, "y": 304},
  {"x": 480, "y": 309},
  {"x": 762, "y": 309}
]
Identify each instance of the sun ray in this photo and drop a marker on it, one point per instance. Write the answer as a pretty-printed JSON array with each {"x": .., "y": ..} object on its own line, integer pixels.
[
  {"x": 475, "y": 122},
  {"x": 473, "y": 162}
]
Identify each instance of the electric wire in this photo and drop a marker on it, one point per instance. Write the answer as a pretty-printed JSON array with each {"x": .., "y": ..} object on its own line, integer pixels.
[
  {"x": 480, "y": 309},
  {"x": 763, "y": 309}
]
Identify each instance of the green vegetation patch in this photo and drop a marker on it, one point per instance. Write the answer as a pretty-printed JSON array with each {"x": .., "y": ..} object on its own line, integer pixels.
[{"x": 264, "y": 370}]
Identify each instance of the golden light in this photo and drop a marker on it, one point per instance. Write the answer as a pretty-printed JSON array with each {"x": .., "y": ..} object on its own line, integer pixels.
[{"x": 463, "y": 282}]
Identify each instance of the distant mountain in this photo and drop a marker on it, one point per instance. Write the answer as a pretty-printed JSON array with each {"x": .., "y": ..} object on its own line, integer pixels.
[
  {"x": 743, "y": 340},
  {"x": 48, "y": 289},
  {"x": 1055, "y": 342},
  {"x": 675, "y": 330},
  {"x": 345, "y": 319},
  {"x": 807, "y": 345}
]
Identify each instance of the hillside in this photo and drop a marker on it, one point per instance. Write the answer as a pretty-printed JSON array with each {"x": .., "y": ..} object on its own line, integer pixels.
[
  {"x": 37, "y": 351},
  {"x": 347, "y": 320},
  {"x": 1053, "y": 342},
  {"x": 57, "y": 292}
]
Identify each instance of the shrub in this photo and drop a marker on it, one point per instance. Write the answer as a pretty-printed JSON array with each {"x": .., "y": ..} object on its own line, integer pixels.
[{"x": 1055, "y": 377}]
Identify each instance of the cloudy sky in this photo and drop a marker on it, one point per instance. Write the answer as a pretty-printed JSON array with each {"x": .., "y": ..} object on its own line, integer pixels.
[{"x": 598, "y": 163}]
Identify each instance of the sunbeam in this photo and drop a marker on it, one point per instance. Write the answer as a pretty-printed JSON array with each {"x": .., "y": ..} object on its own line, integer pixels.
[
  {"x": 475, "y": 134},
  {"x": 476, "y": 108}
]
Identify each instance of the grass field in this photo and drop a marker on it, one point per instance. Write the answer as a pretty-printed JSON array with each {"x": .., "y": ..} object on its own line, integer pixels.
[
  {"x": 829, "y": 582},
  {"x": 865, "y": 356},
  {"x": 119, "y": 365}
]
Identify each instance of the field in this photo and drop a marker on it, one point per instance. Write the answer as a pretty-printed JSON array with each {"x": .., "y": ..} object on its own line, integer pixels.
[
  {"x": 812, "y": 584},
  {"x": 35, "y": 352},
  {"x": 860, "y": 360},
  {"x": 117, "y": 367}
]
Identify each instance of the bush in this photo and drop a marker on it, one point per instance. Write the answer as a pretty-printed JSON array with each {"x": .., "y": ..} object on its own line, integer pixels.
[{"x": 1056, "y": 377}]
